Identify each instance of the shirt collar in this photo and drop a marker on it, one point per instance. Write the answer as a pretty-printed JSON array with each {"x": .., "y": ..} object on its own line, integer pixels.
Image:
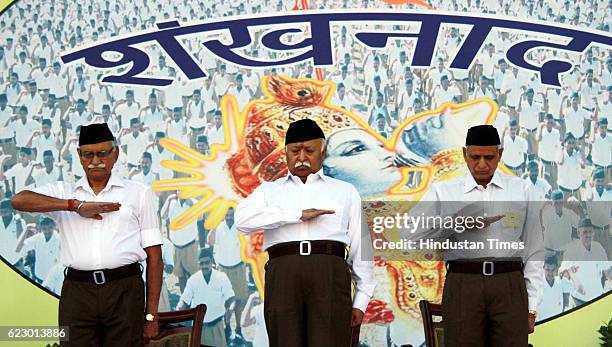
[
  {"x": 114, "y": 180},
  {"x": 318, "y": 174},
  {"x": 496, "y": 180}
]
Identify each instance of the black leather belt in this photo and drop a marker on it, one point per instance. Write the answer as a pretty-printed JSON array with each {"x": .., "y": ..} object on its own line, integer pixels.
[
  {"x": 487, "y": 268},
  {"x": 103, "y": 276},
  {"x": 307, "y": 248}
]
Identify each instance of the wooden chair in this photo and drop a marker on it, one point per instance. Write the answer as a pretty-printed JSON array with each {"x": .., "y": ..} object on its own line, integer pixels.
[
  {"x": 434, "y": 331},
  {"x": 172, "y": 334}
]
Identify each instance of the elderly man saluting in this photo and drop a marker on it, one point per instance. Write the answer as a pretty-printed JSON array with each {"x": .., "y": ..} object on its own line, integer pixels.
[
  {"x": 308, "y": 220},
  {"x": 490, "y": 294},
  {"x": 107, "y": 225}
]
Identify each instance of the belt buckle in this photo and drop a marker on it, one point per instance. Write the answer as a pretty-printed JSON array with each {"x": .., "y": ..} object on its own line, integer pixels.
[
  {"x": 309, "y": 248},
  {"x": 102, "y": 278},
  {"x": 491, "y": 267}
]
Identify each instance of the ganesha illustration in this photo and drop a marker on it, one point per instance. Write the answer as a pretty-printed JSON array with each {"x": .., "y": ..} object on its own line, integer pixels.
[{"x": 423, "y": 149}]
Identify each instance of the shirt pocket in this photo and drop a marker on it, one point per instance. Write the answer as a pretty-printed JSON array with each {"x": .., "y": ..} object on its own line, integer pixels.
[
  {"x": 333, "y": 221},
  {"x": 123, "y": 220}
]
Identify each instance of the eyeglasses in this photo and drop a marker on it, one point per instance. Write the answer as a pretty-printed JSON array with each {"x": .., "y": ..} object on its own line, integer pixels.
[{"x": 100, "y": 154}]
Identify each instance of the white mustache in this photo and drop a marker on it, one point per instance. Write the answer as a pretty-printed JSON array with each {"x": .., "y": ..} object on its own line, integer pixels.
[
  {"x": 99, "y": 166},
  {"x": 302, "y": 163}
]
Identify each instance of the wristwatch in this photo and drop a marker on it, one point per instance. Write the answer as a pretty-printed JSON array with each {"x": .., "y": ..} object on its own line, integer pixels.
[
  {"x": 534, "y": 313},
  {"x": 149, "y": 317}
]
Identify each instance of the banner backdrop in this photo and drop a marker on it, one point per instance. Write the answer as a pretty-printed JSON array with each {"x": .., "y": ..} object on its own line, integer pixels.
[{"x": 200, "y": 94}]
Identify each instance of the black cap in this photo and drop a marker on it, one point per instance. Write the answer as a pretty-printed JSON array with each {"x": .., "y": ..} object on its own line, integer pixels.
[
  {"x": 556, "y": 195},
  {"x": 599, "y": 174},
  {"x": 95, "y": 133},
  {"x": 585, "y": 223},
  {"x": 482, "y": 135},
  {"x": 303, "y": 130}
]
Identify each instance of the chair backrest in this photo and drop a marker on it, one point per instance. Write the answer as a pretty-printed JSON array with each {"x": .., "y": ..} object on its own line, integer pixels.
[
  {"x": 434, "y": 330},
  {"x": 172, "y": 334}
]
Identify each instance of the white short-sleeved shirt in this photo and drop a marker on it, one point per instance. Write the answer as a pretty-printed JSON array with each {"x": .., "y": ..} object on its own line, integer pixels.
[
  {"x": 568, "y": 176},
  {"x": 514, "y": 150},
  {"x": 227, "y": 245},
  {"x": 116, "y": 240},
  {"x": 558, "y": 228},
  {"x": 590, "y": 265},
  {"x": 552, "y": 299},
  {"x": 186, "y": 235},
  {"x": 539, "y": 189},
  {"x": 213, "y": 294},
  {"x": 20, "y": 174},
  {"x": 47, "y": 252},
  {"x": 8, "y": 240},
  {"x": 601, "y": 152},
  {"x": 55, "y": 278},
  {"x": 135, "y": 146},
  {"x": 574, "y": 121},
  {"x": 550, "y": 144}
]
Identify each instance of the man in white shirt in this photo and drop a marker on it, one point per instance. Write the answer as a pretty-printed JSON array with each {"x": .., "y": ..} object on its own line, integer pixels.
[
  {"x": 18, "y": 174},
  {"x": 601, "y": 147},
  {"x": 515, "y": 149},
  {"x": 226, "y": 248},
  {"x": 126, "y": 109},
  {"x": 549, "y": 144},
  {"x": 214, "y": 132},
  {"x": 555, "y": 296},
  {"x": 43, "y": 247},
  {"x": 11, "y": 229},
  {"x": 308, "y": 220},
  {"x": 46, "y": 173},
  {"x": 540, "y": 187},
  {"x": 185, "y": 240},
  {"x": 478, "y": 283},
  {"x": 145, "y": 175},
  {"x": 134, "y": 143},
  {"x": 599, "y": 208},
  {"x": 213, "y": 289},
  {"x": 102, "y": 242},
  {"x": 558, "y": 222},
  {"x": 585, "y": 263},
  {"x": 570, "y": 163}
]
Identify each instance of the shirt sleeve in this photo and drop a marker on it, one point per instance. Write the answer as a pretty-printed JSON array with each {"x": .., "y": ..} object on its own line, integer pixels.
[
  {"x": 533, "y": 253},
  {"x": 54, "y": 190},
  {"x": 187, "y": 296},
  {"x": 149, "y": 226},
  {"x": 253, "y": 214},
  {"x": 361, "y": 256}
]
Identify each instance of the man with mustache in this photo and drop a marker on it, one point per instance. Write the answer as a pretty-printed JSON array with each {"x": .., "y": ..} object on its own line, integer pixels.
[
  {"x": 308, "y": 220},
  {"x": 107, "y": 225}
]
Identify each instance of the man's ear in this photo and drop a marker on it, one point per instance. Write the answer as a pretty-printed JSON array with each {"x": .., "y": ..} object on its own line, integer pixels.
[{"x": 501, "y": 151}]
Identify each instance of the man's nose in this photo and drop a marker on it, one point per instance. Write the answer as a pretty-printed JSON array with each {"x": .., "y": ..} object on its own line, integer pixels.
[
  {"x": 481, "y": 163},
  {"x": 302, "y": 156}
]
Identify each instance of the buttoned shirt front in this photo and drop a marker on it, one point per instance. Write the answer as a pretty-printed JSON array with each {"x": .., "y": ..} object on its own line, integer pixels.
[
  {"x": 504, "y": 189},
  {"x": 116, "y": 240},
  {"x": 276, "y": 207}
]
